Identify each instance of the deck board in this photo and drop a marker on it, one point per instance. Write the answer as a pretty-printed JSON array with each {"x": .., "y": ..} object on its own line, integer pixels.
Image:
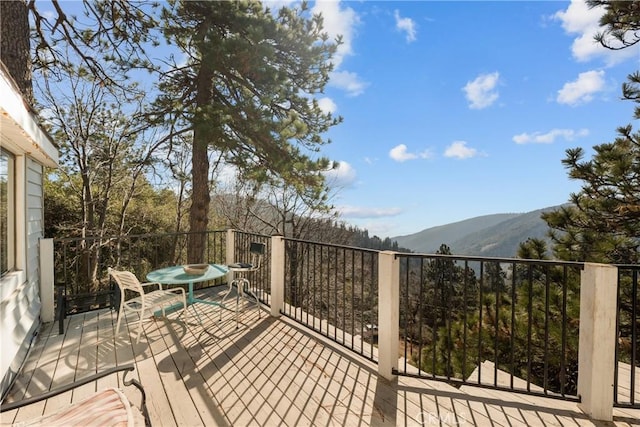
[
  {"x": 41, "y": 375},
  {"x": 266, "y": 372}
]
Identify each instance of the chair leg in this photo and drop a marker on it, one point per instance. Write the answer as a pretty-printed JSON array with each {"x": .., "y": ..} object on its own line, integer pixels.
[
  {"x": 255, "y": 297},
  {"x": 226, "y": 295},
  {"x": 237, "y": 302},
  {"x": 249, "y": 293},
  {"x": 120, "y": 314},
  {"x": 245, "y": 292},
  {"x": 184, "y": 309},
  {"x": 140, "y": 325}
]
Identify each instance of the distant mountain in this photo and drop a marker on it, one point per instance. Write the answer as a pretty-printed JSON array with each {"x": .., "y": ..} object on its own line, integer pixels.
[{"x": 490, "y": 235}]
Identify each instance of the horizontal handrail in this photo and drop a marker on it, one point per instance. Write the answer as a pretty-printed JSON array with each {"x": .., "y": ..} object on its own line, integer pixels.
[
  {"x": 290, "y": 239},
  {"x": 494, "y": 259}
]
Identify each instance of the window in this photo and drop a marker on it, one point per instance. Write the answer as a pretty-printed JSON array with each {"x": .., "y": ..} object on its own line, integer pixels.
[{"x": 7, "y": 213}]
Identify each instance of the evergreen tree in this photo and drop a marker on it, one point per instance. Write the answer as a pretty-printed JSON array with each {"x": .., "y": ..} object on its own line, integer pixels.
[
  {"x": 246, "y": 90},
  {"x": 14, "y": 44},
  {"x": 533, "y": 248},
  {"x": 603, "y": 222},
  {"x": 621, "y": 22},
  {"x": 107, "y": 41}
]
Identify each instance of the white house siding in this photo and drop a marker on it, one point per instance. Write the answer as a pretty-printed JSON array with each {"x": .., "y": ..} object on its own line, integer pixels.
[
  {"x": 20, "y": 321},
  {"x": 20, "y": 304},
  {"x": 35, "y": 216}
]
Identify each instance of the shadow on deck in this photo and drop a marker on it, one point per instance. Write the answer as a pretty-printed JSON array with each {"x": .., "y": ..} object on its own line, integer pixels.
[{"x": 267, "y": 372}]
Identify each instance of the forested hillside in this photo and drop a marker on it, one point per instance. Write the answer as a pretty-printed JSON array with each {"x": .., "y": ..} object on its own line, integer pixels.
[{"x": 496, "y": 235}]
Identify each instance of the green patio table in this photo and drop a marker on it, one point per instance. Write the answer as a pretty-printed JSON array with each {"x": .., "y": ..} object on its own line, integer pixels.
[{"x": 175, "y": 275}]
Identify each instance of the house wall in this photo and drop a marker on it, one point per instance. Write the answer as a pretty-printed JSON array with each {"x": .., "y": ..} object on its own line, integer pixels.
[
  {"x": 19, "y": 290},
  {"x": 32, "y": 150}
]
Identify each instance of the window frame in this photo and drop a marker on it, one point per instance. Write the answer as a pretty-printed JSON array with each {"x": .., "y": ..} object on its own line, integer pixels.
[{"x": 10, "y": 225}]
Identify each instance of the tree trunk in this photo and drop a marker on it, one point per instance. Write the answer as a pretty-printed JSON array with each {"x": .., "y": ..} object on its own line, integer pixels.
[
  {"x": 14, "y": 44},
  {"x": 203, "y": 131}
]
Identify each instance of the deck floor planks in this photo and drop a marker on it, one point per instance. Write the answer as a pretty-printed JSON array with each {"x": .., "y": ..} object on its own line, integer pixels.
[
  {"x": 87, "y": 355},
  {"x": 202, "y": 347},
  {"x": 190, "y": 397},
  {"x": 160, "y": 411},
  {"x": 65, "y": 371},
  {"x": 21, "y": 384},
  {"x": 563, "y": 413},
  {"x": 182, "y": 406},
  {"x": 106, "y": 349},
  {"x": 269, "y": 371},
  {"x": 124, "y": 355},
  {"x": 219, "y": 372},
  {"x": 44, "y": 370}
]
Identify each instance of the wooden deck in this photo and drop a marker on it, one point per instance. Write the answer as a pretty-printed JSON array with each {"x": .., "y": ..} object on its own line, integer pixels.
[{"x": 268, "y": 372}]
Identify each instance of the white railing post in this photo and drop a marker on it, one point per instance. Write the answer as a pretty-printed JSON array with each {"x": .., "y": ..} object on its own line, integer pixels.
[
  {"x": 47, "y": 312},
  {"x": 597, "y": 341},
  {"x": 388, "y": 313},
  {"x": 230, "y": 251},
  {"x": 277, "y": 275}
]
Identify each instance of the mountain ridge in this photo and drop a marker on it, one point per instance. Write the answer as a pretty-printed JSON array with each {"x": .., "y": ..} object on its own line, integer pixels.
[{"x": 494, "y": 235}]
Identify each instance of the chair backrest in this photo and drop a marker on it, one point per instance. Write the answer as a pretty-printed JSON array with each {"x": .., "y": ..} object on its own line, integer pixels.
[
  {"x": 126, "y": 280},
  {"x": 256, "y": 250}
]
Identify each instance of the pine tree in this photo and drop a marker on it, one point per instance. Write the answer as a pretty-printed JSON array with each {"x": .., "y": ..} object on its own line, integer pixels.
[
  {"x": 621, "y": 22},
  {"x": 14, "y": 44},
  {"x": 602, "y": 224},
  {"x": 246, "y": 91}
]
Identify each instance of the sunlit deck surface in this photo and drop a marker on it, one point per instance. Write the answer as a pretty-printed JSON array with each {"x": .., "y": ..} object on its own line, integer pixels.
[{"x": 268, "y": 372}]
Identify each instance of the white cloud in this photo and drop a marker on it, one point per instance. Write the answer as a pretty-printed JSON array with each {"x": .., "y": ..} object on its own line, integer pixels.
[
  {"x": 399, "y": 153},
  {"x": 582, "y": 89},
  {"x": 459, "y": 150},
  {"x": 583, "y": 22},
  {"x": 227, "y": 174},
  {"x": 365, "y": 212},
  {"x": 378, "y": 228},
  {"x": 348, "y": 81},
  {"x": 338, "y": 21},
  {"x": 406, "y": 25},
  {"x": 342, "y": 176},
  {"x": 549, "y": 137},
  {"x": 481, "y": 92},
  {"x": 327, "y": 105},
  {"x": 48, "y": 116},
  {"x": 370, "y": 161},
  {"x": 49, "y": 15}
]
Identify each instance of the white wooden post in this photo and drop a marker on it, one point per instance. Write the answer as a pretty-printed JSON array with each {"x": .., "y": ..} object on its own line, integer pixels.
[
  {"x": 47, "y": 312},
  {"x": 388, "y": 313},
  {"x": 230, "y": 251},
  {"x": 277, "y": 275},
  {"x": 597, "y": 342}
]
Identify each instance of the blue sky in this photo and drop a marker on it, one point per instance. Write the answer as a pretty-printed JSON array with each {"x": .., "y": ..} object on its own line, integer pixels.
[{"x": 458, "y": 109}]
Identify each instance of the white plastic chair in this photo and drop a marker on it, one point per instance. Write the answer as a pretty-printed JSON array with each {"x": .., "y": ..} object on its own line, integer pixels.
[
  {"x": 150, "y": 301},
  {"x": 242, "y": 284}
]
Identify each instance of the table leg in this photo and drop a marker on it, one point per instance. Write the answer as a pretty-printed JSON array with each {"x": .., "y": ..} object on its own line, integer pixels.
[
  {"x": 191, "y": 302},
  {"x": 190, "y": 296}
]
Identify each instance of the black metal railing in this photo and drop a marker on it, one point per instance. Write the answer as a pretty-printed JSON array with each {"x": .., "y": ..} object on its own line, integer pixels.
[
  {"x": 81, "y": 263},
  {"x": 261, "y": 278},
  {"x": 626, "y": 386},
  {"x": 502, "y": 323},
  {"x": 333, "y": 290},
  {"x": 507, "y": 324}
]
